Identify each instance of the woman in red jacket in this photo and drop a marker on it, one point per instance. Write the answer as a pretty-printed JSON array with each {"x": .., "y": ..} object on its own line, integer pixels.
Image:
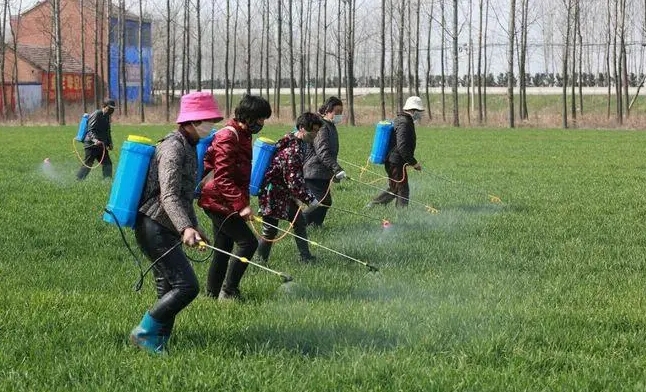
[{"x": 225, "y": 195}]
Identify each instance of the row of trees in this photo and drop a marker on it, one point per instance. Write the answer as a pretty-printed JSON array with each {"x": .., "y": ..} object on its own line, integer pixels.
[
  {"x": 316, "y": 47},
  {"x": 434, "y": 81}
]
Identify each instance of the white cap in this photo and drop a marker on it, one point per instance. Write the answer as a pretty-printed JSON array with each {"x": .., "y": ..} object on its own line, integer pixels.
[{"x": 414, "y": 103}]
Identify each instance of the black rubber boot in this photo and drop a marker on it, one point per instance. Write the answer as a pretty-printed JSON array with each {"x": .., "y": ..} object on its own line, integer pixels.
[{"x": 230, "y": 289}]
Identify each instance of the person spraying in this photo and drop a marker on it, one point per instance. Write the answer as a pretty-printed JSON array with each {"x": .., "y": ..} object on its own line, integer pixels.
[
  {"x": 167, "y": 219},
  {"x": 284, "y": 186},
  {"x": 225, "y": 196},
  {"x": 401, "y": 152},
  {"x": 97, "y": 141},
  {"x": 321, "y": 165}
]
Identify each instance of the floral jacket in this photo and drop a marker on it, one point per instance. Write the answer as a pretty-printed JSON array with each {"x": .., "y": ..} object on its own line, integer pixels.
[{"x": 284, "y": 181}]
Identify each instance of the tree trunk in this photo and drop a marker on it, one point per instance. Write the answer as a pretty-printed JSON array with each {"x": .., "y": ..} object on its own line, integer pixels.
[
  {"x": 575, "y": 21},
  {"x": 442, "y": 61},
  {"x": 262, "y": 56},
  {"x": 173, "y": 72},
  {"x": 382, "y": 62},
  {"x": 124, "y": 85},
  {"x": 278, "y": 59},
  {"x": 409, "y": 49},
  {"x": 97, "y": 48},
  {"x": 469, "y": 64},
  {"x": 400, "y": 65},
  {"x": 318, "y": 51},
  {"x": 83, "y": 98},
  {"x": 417, "y": 36},
  {"x": 324, "y": 70},
  {"x": 60, "y": 105},
  {"x": 227, "y": 38},
  {"x": 609, "y": 33},
  {"x": 291, "y": 59},
  {"x": 169, "y": 58},
  {"x": 198, "y": 54},
  {"x": 14, "y": 71},
  {"x": 523, "y": 60},
  {"x": 267, "y": 51},
  {"x": 249, "y": 47},
  {"x": 456, "y": 111},
  {"x": 350, "y": 58},
  {"x": 428, "y": 63},
  {"x": 510, "y": 62},
  {"x": 338, "y": 53},
  {"x": 623, "y": 59},
  {"x": 486, "y": 67},
  {"x": 615, "y": 65},
  {"x": 479, "y": 71},
  {"x": 580, "y": 78},
  {"x": 566, "y": 49},
  {"x": 235, "y": 52},
  {"x": 142, "y": 116},
  {"x": 213, "y": 47},
  {"x": 301, "y": 57}
]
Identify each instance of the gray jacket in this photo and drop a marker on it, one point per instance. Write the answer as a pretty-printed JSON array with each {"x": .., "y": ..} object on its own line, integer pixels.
[
  {"x": 401, "y": 146},
  {"x": 320, "y": 157},
  {"x": 98, "y": 129},
  {"x": 168, "y": 193}
]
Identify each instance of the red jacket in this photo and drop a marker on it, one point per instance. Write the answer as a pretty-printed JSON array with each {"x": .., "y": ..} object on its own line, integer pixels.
[{"x": 229, "y": 157}]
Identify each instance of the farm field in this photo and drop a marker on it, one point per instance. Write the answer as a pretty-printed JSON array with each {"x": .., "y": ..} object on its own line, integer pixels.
[{"x": 544, "y": 291}]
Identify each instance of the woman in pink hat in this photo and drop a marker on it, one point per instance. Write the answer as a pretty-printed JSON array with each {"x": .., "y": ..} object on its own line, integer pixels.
[
  {"x": 166, "y": 219},
  {"x": 225, "y": 195}
]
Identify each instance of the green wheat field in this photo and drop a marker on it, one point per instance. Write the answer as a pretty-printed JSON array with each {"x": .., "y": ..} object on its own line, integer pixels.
[{"x": 542, "y": 292}]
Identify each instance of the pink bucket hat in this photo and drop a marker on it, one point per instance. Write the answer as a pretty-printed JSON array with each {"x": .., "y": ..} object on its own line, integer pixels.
[{"x": 198, "y": 106}]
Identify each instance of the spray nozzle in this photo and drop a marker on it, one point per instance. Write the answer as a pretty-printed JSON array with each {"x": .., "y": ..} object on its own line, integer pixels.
[
  {"x": 432, "y": 210},
  {"x": 286, "y": 278},
  {"x": 494, "y": 199},
  {"x": 372, "y": 268},
  {"x": 385, "y": 224}
]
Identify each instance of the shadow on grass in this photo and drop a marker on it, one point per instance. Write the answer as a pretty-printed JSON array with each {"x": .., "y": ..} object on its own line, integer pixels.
[{"x": 301, "y": 338}]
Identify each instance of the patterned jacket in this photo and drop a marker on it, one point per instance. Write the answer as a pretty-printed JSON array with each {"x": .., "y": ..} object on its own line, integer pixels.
[
  {"x": 320, "y": 160},
  {"x": 168, "y": 193},
  {"x": 229, "y": 157},
  {"x": 284, "y": 182}
]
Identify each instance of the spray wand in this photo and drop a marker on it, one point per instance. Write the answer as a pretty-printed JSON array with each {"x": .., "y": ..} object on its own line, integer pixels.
[
  {"x": 286, "y": 278},
  {"x": 384, "y": 222},
  {"x": 369, "y": 266}
]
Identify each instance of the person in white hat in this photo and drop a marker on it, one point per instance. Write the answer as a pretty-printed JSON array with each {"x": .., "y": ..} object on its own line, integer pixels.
[{"x": 401, "y": 153}]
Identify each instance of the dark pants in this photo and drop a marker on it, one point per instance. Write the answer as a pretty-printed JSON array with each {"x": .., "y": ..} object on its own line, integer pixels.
[
  {"x": 175, "y": 279},
  {"x": 226, "y": 272},
  {"x": 269, "y": 233},
  {"x": 319, "y": 188},
  {"x": 397, "y": 186},
  {"x": 94, "y": 153}
]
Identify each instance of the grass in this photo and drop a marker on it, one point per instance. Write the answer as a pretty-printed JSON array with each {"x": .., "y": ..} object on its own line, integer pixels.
[{"x": 542, "y": 292}]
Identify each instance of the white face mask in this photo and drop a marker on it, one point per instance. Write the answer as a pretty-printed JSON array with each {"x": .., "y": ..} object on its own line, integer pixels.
[
  {"x": 337, "y": 118},
  {"x": 417, "y": 116},
  {"x": 204, "y": 129}
]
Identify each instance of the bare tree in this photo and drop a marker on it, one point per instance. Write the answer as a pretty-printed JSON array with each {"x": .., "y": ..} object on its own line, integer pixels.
[
  {"x": 324, "y": 70},
  {"x": 623, "y": 59},
  {"x": 3, "y": 29},
  {"x": 169, "y": 58},
  {"x": 213, "y": 46},
  {"x": 226, "y": 59},
  {"x": 350, "y": 58},
  {"x": 409, "y": 50},
  {"x": 198, "y": 53},
  {"x": 573, "y": 78},
  {"x": 456, "y": 111},
  {"x": 400, "y": 58},
  {"x": 617, "y": 66},
  {"x": 15, "y": 27},
  {"x": 510, "y": 62},
  {"x": 382, "y": 61},
  {"x": 142, "y": 116},
  {"x": 479, "y": 71},
  {"x": 486, "y": 67},
  {"x": 338, "y": 53},
  {"x": 291, "y": 59},
  {"x": 566, "y": 48},
  {"x": 301, "y": 47},
  {"x": 442, "y": 61},
  {"x": 524, "y": 26},
  {"x": 235, "y": 52},
  {"x": 82, "y": 12},
  {"x": 249, "y": 46},
  {"x": 428, "y": 63},
  {"x": 469, "y": 64},
  {"x": 60, "y": 106},
  {"x": 267, "y": 50},
  {"x": 278, "y": 58},
  {"x": 608, "y": 42},
  {"x": 262, "y": 48},
  {"x": 122, "y": 57},
  {"x": 98, "y": 16},
  {"x": 318, "y": 52},
  {"x": 417, "y": 21}
]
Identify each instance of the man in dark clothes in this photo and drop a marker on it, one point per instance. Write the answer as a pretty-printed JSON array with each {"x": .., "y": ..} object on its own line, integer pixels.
[
  {"x": 401, "y": 152},
  {"x": 98, "y": 140}
]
